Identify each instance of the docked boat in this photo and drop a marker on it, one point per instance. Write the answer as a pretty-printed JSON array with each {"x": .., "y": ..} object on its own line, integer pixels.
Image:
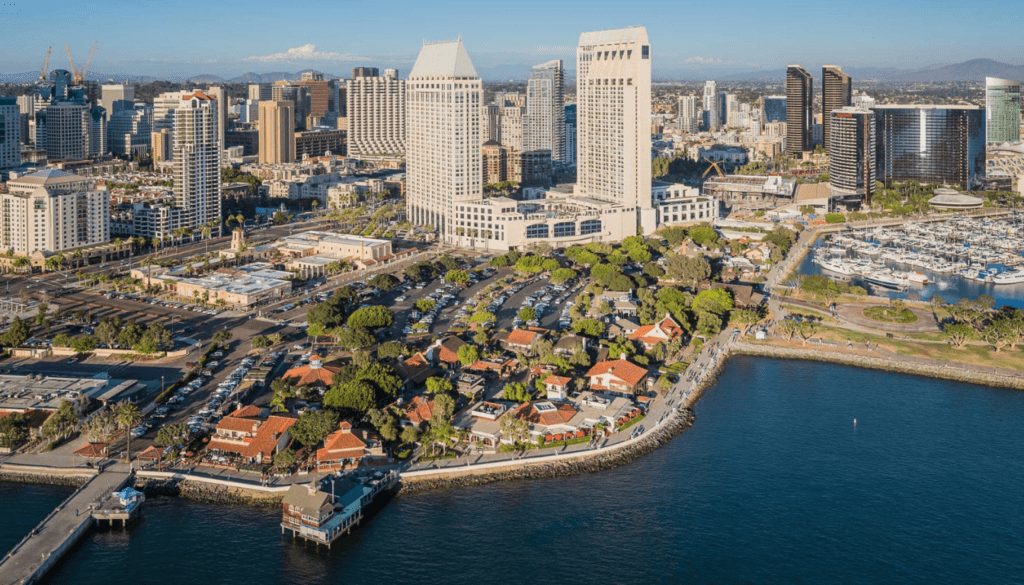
[
  {"x": 1009, "y": 277},
  {"x": 884, "y": 280}
]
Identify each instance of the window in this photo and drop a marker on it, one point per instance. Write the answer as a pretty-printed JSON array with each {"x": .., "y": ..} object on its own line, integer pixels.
[
  {"x": 565, "y": 229},
  {"x": 645, "y": 52},
  {"x": 537, "y": 231},
  {"x": 590, "y": 226}
]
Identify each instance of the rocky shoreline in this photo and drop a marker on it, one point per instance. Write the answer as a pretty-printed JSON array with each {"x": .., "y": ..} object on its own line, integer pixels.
[
  {"x": 206, "y": 493},
  {"x": 953, "y": 373},
  {"x": 49, "y": 479},
  {"x": 584, "y": 464}
]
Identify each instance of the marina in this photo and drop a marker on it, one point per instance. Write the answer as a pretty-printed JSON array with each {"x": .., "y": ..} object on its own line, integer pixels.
[{"x": 959, "y": 258}]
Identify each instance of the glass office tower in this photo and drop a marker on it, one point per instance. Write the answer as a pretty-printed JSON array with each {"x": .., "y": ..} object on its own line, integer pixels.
[
  {"x": 1002, "y": 110},
  {"x": 931, "y": 144}
]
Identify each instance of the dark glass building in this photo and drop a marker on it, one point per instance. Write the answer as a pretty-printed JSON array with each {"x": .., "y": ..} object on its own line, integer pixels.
[
  {"x": 853, "y": 157},
  {"x": 774, "y": 107},
  {"x": 836, "y": 93},
  {"x": 799, "y": 110},
  {"x": 931, "y": 144}
]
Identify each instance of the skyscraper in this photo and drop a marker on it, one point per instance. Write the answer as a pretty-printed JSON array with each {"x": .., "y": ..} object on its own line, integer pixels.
[
  {"x": 443, "y": 156},
  {"x": 221, "y": 98},
  {"x": 511, "y": 125},
  {"x": 97, "y": 131},
  {"x": 1002, "y": 110},
  {"x": 358, "y": 72},
  {"x": 67, "y": 126},
  {"x": 10, "y": 133},
  {"x": 931, "y": 144},
  {"x": 852, "y": 164},
  {"x": 376, "y": 113},
  {"x": 613, "y": 93},
  {"x": 570, "y": 134},
  {"x": 836, "y": 93},
  {"x": 197, "y": 152},
  {"x": 687, "y": 112},
  {"x": 711, "y": 105},
  {"x": 115, "y": 92},
  {"x": 545, "y": 110},
  {"x": 260, "y": 91},
  {"x": 277, "y": 131},
  {"x": 774, "y": 108},
  {"x": 129, "y": 131},
  {"x": 799, "y": 110}
]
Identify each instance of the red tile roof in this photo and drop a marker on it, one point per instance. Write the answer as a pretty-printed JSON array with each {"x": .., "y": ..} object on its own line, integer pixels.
[
  {"x": 521, "y": 337},
  {"x": 448, "y": 351},
  {"x": 310, "y": 376},
  {"x": 341, "y": 444},
  {"x": 419, "y": 410},
  {"x": 663, "y": 330},
  {"x": 92, "y": 450},
  {"x": 250, "y": 411},
  {"x": 562, "y": 414},
  {"x": 151, "y": 452},
  {"x": 622, "y": 369},
  {"x": 238, "y": 424},
  {"x": 557, "y": 380}
]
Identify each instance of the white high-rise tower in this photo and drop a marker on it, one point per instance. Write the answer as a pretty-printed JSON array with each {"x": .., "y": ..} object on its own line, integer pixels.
[
  {"x": 613, "y": 117},
  {"x": 197, "y": 191},
  {"x": 711, "y": 105},
  {"x": 443, "y": 141},
  {"x": 376, "y": 114},
  {"x": 544, "y": 125}
]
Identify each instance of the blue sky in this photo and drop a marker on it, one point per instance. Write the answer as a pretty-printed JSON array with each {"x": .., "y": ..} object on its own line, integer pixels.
[{"x": 228, "y": 38}]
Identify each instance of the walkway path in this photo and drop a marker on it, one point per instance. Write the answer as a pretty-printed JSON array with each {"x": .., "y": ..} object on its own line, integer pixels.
[{"x": 34, "y": 555}]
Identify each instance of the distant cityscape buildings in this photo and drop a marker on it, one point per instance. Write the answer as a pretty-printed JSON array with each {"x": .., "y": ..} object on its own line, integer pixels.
[
  {"x": 774, "y": 108},
  {"x": 1002, "y": 110},
  {"x": 10, "y": 133},
  {"x": 712, "y": 114}
]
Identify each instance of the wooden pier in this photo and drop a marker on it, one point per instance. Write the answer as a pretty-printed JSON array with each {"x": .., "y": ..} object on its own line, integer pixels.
[
  {"x": 36, "y": 554},
  {"x": 323, "y": 517}
]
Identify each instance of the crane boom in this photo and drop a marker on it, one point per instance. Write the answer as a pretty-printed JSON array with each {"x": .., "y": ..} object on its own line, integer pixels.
[
  {"x": 46, "y": 65},
  {"x": 71, "y": 63},
  {"x": 89, "y": 62}
]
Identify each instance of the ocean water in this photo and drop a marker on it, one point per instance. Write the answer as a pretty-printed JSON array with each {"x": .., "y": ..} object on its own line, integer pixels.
[
  {"x": 24, "y": 507},
  {"x": 773, "y": 484}
]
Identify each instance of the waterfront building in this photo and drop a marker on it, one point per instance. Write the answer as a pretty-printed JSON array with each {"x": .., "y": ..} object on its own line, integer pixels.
[
  {"x": 931, "y": 144},
  {"x": 277, "y": 132},
  {"x": 376, "y": 113},
  {"x": 248, "y": 435},
  {"x": 836, "y": 93},
  {"x": 853, "y": 155},
  {"x": 664, "y": 331},
  {"x": 799, "y": 110},
  {"x": 443, "y": 98},
  {"x": 348, "y": 445},
  {"x": 197, "y": 154},
  {"x": 617, "y": 377},
  {"x": 749, "y": 192},
  {"x": 711, "y": 105},
  {"x": 677, "y": 204},
  {"x": 10, "y": 133},
  {"x": 773, "y": 109},
  {"x": 1002, "y": 110},
  {"x": 53, "y": 211},
  {"x": 545, "y": 110}
]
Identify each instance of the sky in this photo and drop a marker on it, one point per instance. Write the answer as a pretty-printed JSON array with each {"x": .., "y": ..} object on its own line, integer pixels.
[{"x": 695, "y": 40}]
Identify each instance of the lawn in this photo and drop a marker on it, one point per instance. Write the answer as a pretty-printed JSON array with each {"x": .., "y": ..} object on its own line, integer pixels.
[
  {"x": 631, "y": 423},
  {"x": 890, "y": 315}
]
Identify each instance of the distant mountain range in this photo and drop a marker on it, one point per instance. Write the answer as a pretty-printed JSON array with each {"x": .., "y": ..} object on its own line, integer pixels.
[
  {"x": 249, "y": 77},
  {"x": 973, "y": 70}
]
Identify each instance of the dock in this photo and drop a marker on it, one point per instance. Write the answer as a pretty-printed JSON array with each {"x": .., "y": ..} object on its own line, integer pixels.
[
  {"x": 323, "y": 517},
  {"x": 36, "y": 554}
]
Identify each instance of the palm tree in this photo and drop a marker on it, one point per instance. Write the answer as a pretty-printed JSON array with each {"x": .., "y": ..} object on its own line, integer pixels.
[
  {"x": 128, "y": 417},
  {"x": 206, "y": 231},
  {"x": 77, "y": 256},
  {"x": 315, "y": 204}
]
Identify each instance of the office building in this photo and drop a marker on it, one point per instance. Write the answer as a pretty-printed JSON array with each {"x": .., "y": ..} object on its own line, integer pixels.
[
  {"x": 687, "y": 114},
  {"x": 321, "y": 95},
  {"x": 277, "y": 131},
  {"x": 53, "y": 211},
  {"x": 773, "y": 108},
  {"x": 853, "y": 155},
  {"x": 836, "y": 93},
  {"x": 545, "y": 109},
  {"x": 376, "y": 113},
  {"x": 1002, "y": 110},
  {"x": 714, "y": 116},
  {"x": 129, "y": 131},
  {"x": 221, "y": 98},
  {"x": 197, "y": 154},
  {"x": 10, "y": 133},
  {"x": 115, "y": 92},
  {"x": 799, "y": 110},
  {"x": 511, "y": 126},
  {"x": 260, "y": 91},
  {"x": 570, "y": 135},
  {"x": 67, "y": 127},
  {"x": 248, "y": 113},
  {"x": 613, "y": 91},
  {"x": 319, "y": 142},
  {"x": 298, "y": 95},
  {"x": 163, "y": 110},
  {"x": 931, "y": 144},
  {"x": 443, "y": 157},
  {"x": 490, "y": 123},
  {"x": 97, "y": 131}
]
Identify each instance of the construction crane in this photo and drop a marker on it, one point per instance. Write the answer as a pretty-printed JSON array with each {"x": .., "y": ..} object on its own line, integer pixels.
[
  {"x": 46, "y": 65},
  {"x": 71, "y": 62},
  {"x": 89, "y": 61},
  {"x": 78, "y": 75},
  {"x": 712, "y": 165}
]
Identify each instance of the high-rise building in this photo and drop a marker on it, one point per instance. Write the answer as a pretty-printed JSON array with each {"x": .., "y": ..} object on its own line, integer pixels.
[
  {"x": 443, "y": 146},
  {"x": 163, "y": 110},
  {"x": 197, "y": 153},
  {"x": 376, "y": 113},
  {"x": 714, "y": 115},
  {"x": 570, "y": 134},
  {"x": 511, "y": 122},
  {"x": 853, "y": 155},
  {"x": 298, "y": 95},
  {"x": 129, "y": 130},
  {"x": 161, "y": 144},
  {"x": 10, "y": 133},
  {"x": 67, "y": 126},
  {"x": 277, "y": 132},
  {"x": 260, "y": 91},
  {"x": 97, "y": 131},
  {"x": 53, "y": 211},
  {"x": 545, "y": 110},
  {"x": 358, "y": 72},
  {"x": 490, "y": 123},
  {"x": 931, "y": 144},
  {"x": 221, "y": 98},
  {"x": 1002, "y": 110},
  {"x": 27, "y": 107},
  {"x": 115, "y": 92},
  {"x": 836, "y": 93},
  {"x": 773, "y": 108},
  {"x": 799, "y": 110},
  {"x": 863, "y": 101},
  {"x": 321, "y": 94},
  {"x": 613, "y": 93},
  {"x": 688, "y": 119}
]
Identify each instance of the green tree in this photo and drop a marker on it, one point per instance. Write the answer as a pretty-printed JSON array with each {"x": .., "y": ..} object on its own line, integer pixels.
[
  {"x": 128, "y": 417},
  {"x": 717, "y": 301},
  {"x": 384, "y": 282},
  {"x": 562, "y": 275},
  {"x": 688, "y": 269},
  {"x": 410, "y": 434},
  {"x": 527, "y": 313},
  {"x": 383, "y": 377},
  {"x": 312, "y": 426},
  {"x": 588, "y": 327},
  {"x": 285, "y": 458},
  {"x": 172, "y": 434},
  {"x": 13, "y": 430},
  {"x": 353, "y": 338},
  {"x": 392, "y": 350},
  {"x": 438, "y": 386},
  {"x": 457, "y": 276},
  {"x": 516, "y": 392},
  {"x": 703, "y": 234},
  {"x": 16, "y": 334},
  {"x": 482, "y": 317},
  {"x": 61, "y": 424},
  {"x": 468, "y": 354},
  {"x": 958, "y": 334},
  {"x": 260, "y": 342},
  {"x": 352, "y": 398},
  {"x": 370, "y": 317}
]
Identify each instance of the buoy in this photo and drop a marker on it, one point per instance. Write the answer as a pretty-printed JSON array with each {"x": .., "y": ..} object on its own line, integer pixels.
[{"x": 854, "y": 422}]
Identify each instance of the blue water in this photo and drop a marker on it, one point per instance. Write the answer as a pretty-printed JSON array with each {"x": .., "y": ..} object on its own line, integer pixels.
[
  {"x": 774, "y": 483},
  {"x": 951, "y": 287},
  {"x": 24, "y": 507}
]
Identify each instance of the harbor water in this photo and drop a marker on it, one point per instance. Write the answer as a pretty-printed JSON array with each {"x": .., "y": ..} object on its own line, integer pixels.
[{"x": 774, "y": 483}]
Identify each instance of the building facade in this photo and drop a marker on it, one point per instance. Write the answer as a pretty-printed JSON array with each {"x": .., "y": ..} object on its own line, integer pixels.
[
  {"x": 852, "y": 163},
  {"x": 570, "y": 135},
  {"x": 443, "y": 155},
  {"x": 687, "y": 111},
  {"x": 931, "y": 144},
  {"x": 68, "y": 129},
  {"x": 773, "y": 108},
  {"x": 836, "y": 93},
  {"x": 1002, "y": 110},
  {"x": 799, "y": 110},
  {"x": 197, "y": 154},
  {"x": 714, "y": 116},
  {"x": 129, "y": 131},
  {"x": 10, "y": 133},
  {"x": 53, "y": 211},
  {"x": 376, "y": 114},
  {"x": 545, "y": 109},
  {"x": 277, "y": 132}
]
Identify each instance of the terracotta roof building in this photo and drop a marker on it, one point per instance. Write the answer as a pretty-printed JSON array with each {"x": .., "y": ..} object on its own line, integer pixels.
[
  {"x": 419, "y": 410},
  {"x": 520, "y": 340},
  {"x": 617, "y": 376},
  {"x": 313, "y": 374},
  {"x": 347, "y": 445},
  {"x": 247, "y": 435},
  {"x": 663, "y": 331}
]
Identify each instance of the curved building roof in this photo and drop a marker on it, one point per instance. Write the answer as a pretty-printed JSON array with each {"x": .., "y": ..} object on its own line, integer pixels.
[{"x": 955, "y": 201}]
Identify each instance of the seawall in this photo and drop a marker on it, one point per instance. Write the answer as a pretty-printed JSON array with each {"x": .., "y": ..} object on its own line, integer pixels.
[{"x": 209, "y": 490}]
